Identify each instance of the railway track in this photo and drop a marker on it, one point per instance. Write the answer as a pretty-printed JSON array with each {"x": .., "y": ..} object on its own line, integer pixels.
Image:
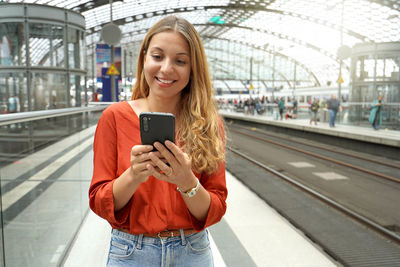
[
  {"x": 325, "y": 199},
  {"x": 348, "y": 233},
  {"x": 347, "y": 242},
  {"x": 363, "y": 169}
]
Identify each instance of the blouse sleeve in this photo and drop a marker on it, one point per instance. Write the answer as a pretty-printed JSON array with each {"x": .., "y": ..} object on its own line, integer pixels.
[
  {"x": 101, "y": 199},
  {"x": 216, "y": 186}
]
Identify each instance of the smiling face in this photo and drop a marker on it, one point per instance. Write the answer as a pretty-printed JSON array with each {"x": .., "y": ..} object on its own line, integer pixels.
[{"x": 167, "y": 64}]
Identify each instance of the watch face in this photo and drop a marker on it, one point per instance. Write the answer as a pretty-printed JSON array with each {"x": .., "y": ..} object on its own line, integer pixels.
[{"x": 194, "y": 190}]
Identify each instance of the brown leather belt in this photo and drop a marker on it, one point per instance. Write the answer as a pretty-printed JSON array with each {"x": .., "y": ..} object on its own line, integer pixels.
[{"x": 167, "y": 233}]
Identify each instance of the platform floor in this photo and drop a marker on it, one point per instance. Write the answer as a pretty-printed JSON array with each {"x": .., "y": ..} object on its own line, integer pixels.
[
  {"x": 250, "y": 234},
  {"x": 367, "y": 134}
]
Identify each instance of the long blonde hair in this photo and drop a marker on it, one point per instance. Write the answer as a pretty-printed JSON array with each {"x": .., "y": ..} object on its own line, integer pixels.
[{"x": 201, "y": 132}]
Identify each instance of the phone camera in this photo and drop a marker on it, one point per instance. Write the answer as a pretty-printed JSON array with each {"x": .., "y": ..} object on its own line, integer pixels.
[{"x": 145, "y": 124}]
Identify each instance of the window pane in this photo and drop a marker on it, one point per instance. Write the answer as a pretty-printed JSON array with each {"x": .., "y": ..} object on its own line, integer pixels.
[
  {"x": 12, "y": 44},
  {"x": 13, "y": 93},
  {"x": 46, "y": 45},
  {"x": 48, "y": 91}
]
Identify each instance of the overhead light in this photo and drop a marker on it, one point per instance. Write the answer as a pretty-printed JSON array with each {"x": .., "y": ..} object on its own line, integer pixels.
[{"x": 89, "y": 5}]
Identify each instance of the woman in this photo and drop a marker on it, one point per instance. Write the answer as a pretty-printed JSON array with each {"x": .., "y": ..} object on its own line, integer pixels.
[
  {"x": 160, "y": 203},
  {"x": 375, "y": 117},
  {"x": 314, "y": 111}
]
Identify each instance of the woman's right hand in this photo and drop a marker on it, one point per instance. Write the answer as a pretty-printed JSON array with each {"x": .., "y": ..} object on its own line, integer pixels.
[{"x": 140, "y": 159}]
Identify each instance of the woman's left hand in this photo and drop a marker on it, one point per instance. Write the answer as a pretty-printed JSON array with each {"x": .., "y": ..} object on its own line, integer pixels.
[{"x": 178, "y": 172}]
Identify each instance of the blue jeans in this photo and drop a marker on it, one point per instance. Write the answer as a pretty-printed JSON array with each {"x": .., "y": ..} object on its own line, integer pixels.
[
  {"x": 137, "y": 250},
  {"x": 332, "y": 117}
]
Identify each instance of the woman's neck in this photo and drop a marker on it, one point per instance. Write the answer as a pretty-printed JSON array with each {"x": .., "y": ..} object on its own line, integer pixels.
[{"x": 157, "y": 104}]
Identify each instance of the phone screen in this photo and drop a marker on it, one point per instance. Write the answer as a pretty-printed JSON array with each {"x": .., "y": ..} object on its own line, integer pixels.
[{"x": 156, "y": 126}]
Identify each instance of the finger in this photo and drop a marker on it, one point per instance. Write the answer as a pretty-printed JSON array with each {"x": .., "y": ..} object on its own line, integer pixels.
[
  {"x": 156, "y": 173},
  {"x": 159, "y": 163},
  {"x": 139, "y": 149},
  {"x": 140, "y": 158},
  {"x": 166, "y": 154},
  {"x": 145, "y": 156},
  {"x": 178, "y": 153},
  {"x": 139, "y": 167}
]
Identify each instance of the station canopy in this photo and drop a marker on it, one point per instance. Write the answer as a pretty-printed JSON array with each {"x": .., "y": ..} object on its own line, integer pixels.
[{"x": 255, "y": 44}]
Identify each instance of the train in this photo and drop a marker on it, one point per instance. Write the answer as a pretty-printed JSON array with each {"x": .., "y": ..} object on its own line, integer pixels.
[
  {"x": 304, "y": 96},
  {"x": 261, "y": 103}
]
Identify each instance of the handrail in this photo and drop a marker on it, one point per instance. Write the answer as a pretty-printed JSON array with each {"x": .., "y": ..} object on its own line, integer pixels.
[{"x": 44, "y": 114}]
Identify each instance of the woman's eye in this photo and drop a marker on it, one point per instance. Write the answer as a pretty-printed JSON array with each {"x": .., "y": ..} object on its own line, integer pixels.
[
  {"x": 181, "y": 62},
  {"x": 157, "y": 57}
]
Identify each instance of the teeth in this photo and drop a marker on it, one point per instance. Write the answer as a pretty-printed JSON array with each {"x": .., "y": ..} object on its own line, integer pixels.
[{"x": 164, "y": 81}]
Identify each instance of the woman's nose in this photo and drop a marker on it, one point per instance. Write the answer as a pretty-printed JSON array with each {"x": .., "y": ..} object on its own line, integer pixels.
[{"x": 166, "y": 66}]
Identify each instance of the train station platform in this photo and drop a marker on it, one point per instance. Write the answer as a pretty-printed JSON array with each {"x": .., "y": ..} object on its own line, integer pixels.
[
  {"x": 382, "y": 136},
  {"x": 47, "y": 220},
  {"x": 260, "y": 238}
]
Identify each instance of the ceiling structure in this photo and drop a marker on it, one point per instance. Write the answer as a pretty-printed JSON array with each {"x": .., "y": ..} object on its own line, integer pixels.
[{"x": 268, "y": 44}]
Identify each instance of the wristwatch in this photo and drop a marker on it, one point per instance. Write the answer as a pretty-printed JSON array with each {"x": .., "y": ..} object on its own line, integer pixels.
[{"x": 191, "y": 192}]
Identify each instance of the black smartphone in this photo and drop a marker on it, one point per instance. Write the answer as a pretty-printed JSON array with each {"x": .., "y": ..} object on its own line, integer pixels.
[{"x": 156, "y": 126}]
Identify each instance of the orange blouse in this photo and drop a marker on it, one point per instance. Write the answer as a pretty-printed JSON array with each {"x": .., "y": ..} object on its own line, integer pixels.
[{"x": 156, "y": 205}]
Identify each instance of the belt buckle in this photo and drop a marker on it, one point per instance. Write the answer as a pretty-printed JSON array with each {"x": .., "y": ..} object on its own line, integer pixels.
[{"x": 165, "y": 237}]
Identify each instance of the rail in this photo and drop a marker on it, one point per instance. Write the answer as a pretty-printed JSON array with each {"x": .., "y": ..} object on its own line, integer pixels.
[{"x": 6, "y": 119}]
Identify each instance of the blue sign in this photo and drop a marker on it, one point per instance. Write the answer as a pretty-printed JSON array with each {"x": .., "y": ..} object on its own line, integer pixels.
[{"x": 106, "y": 80}]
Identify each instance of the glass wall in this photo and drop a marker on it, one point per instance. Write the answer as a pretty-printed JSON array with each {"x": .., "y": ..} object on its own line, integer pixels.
[
  {"x": 45, "y": 179},
  {"x": 43, "y": 162},
  {"x": 46, "y": 55}
]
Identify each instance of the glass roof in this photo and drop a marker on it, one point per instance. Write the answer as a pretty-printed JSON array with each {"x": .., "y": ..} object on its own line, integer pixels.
[{"x": 283, "y": 42}]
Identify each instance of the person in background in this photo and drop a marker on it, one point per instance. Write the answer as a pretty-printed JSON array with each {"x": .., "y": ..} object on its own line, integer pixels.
[
  {"x": 281, "y": 106},
  {"x": 160, "y": 203},
  {"x": 314, "y": 111},
  {"x": 295, "y": 104},
  {"x": 73, "y": 101},
  {"x": 375, "y": 117},
  {"x": 13, "y": 104},
  {"x": 333, "y": 106}
]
